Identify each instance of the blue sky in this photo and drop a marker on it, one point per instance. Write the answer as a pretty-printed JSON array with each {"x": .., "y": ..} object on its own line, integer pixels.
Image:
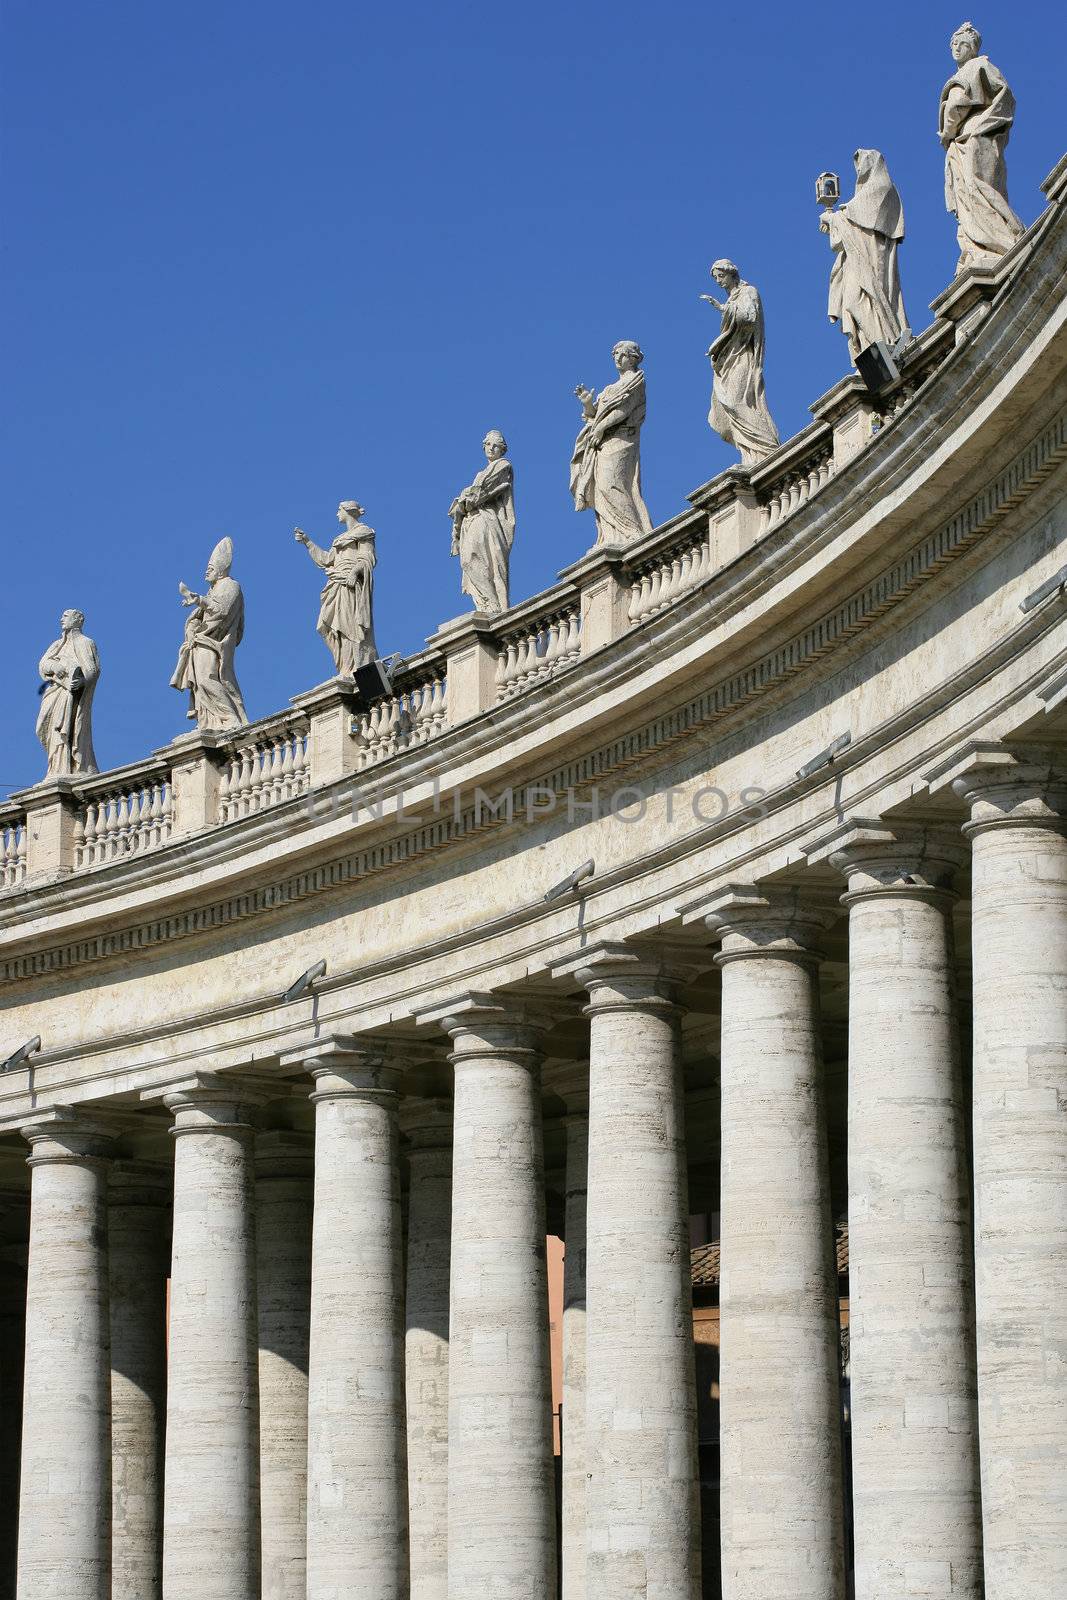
[{"x": 257, "y": 258}]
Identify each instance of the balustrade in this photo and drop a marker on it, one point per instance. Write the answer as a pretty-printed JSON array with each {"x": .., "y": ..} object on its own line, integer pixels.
[
  {"x": 544, "y": 646},
  {"x": 123, "y": 821},
  {"x": 413, "y": 715},
  {"x": 264, "y": 768},
  {"x": 12, "y": 851},
  {"x": 673, "y": 573},
  {"x": 795, "y": 486}
]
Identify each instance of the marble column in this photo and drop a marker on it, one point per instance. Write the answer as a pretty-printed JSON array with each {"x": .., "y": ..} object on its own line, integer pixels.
[
  {"x": 64, "y": 1546},
  {"x": 357, "y": 1519},
  {"x": 12, "y": 1360},
  {"x": 574, "y": 1259},
  {"x": 916, "y": 1506},
  {"x": 139, "y": 1257},
  {"x": 780, "y": 1425},
  {"x": 642, "y": 1508},
  {"x": 428, "y": 1129},
  {"x": 211, "y": 1473},
  {"x": 283, "y": 1166},
  {"x": 501, "y": 1491},
  {"x": 1018, "y": 836}
]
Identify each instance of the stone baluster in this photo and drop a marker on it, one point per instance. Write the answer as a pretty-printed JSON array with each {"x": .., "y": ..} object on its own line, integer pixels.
[
  {"x": 916, "y": 1505},
  {"x": 643, "y": 1518},
  {"x": 780, "y": 1425},
  {"x": 357, "y": 1520},
  {"x": 283, "y": 1163},
  {"x": 64, "y": 1542},
  {"x": 428, "y": 1126},
  {"x": 501, "y": 1499},
  {"x": 211, "y": 1473},
  {"x": 139, "y": 1259},
  {"x": 1018, "y": 837}
]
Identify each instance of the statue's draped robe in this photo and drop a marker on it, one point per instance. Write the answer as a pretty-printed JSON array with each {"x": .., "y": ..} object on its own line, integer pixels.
[
  {"x": 64, "y": 725},
  {"x": 739, "y": 412},
  {"x": 608, "y": 479},
  {"x": 345, "y": 615},
  {"x": 485, "y": 534},
  {"x": 977, "y": 111},
  {"x": 205, "y": 662},
  {"x": 865, "y": 295}
]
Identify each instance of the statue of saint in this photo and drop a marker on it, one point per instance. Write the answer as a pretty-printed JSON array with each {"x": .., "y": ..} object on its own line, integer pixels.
[
  {"x": 606, "y": 465},
  {"x": 739, "y": 413},
  {"x": 213, "y": 630},
  {"x": 70, "y": 668},
  {"x": 483, "y": 528},
  {"x": 865, "y": 292},
  {"x": 346, "y": 613},
  {"x": 977, "y": 111}
]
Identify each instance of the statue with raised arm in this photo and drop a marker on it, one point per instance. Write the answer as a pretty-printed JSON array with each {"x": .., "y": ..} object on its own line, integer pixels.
[
  {"x": 865, "y": 296},
  {"x": 70, "y": 668},
  {"x": 739, "y": 412},
  {"x": 606, "y": 464},
  {"x": 483, "y": 528},
  {"x": 213, "y": 630},
  {"x": 347, "y": 600},
  {"x": 977, "y": 111}
]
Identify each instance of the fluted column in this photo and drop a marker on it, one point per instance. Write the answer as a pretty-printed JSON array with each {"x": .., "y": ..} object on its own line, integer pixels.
[
  {"x": 643, "y": 1513},
  {"x": 780, "y": 1424},
  {"x": 501, "y": 1504},
  {"x": 428, "y": 1127},
  {"x": 574, "y": 1291},
  {"x": 1018, "y": 836},
  {"x": 65, "y": 1493},
  {"x": 357, "y": 1520},
  {"x": 139, "y": 1256},
  {"x": 917, "y": 1515},
  {"x": 283, "y": 1164},
  {"x": 211, "y": 1473}
]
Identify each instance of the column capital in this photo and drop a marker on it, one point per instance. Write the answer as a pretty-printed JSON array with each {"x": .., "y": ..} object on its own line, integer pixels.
[
  {"x": 481, "y": 1024},
  {"x": 781, "y": 923},
  {"x": 64, "y": 1134},
  {"x": 346, "y": 1064},
  {"x": 1005, "y": 786},
  {"x": 881, "y": 858},
  {"x": 426, "y": 1124},
  {"x": 284, "y": 1154},
  {"x": 209, "y": 1102},
  {"x": 640, "y": 975}
]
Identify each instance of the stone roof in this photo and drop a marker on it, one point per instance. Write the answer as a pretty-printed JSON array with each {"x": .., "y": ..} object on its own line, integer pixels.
[{"x": 704, "y": 1259}]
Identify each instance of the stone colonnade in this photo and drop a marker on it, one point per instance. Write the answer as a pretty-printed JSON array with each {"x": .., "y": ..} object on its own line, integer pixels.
[{"x": 346, "y": 1417}]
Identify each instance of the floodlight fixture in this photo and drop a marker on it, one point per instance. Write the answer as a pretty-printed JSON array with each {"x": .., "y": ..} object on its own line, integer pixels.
[
  {"x": 22, "y": 1054},
  {"x": 825, "y": 758},
  {"x": 303, "y": 984},
  {"x": 578, "y": 876}
]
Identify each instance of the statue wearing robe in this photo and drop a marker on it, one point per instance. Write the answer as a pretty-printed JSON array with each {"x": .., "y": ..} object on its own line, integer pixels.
[
  {"x": 865, "y": 294},
  {"x": 606, "y": 464},
  {"x": 977, "y": 111},
  {"x": 70, "y": 668},
  {"x": 483, "y": 530},
  {"x": 213, "y": 630},
  {"x": 739, "y": 413},
  {"x": 345, "y": 611}
]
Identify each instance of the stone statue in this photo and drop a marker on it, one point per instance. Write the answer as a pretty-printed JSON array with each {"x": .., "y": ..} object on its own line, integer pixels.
[
  {"x": 739, "y": 413},
  {"x": 346, "y": 613},
  {"x": 213, "y": 630},
  {"x": 483, "y": 528},
  {"x": 977, "y": 111},
  {"x": 865, "y": 292},
  {"x": 70, "y": 668},
  {"x": 606, "y": 465}
]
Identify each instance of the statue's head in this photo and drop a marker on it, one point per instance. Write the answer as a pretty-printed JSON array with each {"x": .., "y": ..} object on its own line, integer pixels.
[
  {"x": 494, "y": 444},
  {"x": 627, "y": 355},
  {"x": 965, "y": 43},
  {"x": 349, "y": 513},
  {"x": 220, "y": 561},
  {"x": 725, "y": 274},
  {"x": 72, "y": 621}
]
